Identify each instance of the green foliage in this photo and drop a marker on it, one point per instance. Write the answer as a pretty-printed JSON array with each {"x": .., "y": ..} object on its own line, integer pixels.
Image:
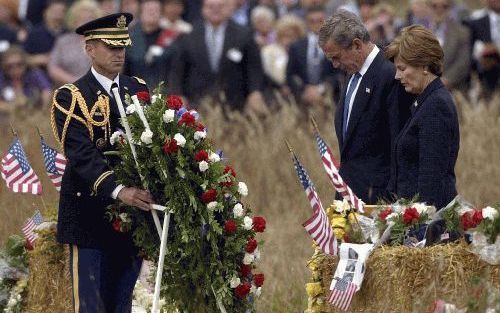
[{"x": 202, "y": 257}]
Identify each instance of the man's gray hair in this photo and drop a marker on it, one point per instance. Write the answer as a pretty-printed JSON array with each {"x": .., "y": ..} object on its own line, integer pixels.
[{"x": 342, "y": 28}]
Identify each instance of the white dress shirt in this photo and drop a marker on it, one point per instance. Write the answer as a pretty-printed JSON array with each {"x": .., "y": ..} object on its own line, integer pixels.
[
  {"x": 214, "y": 39},
  {"x": 494, "y": 27},
  {"x": 362, "y": 72},
  {"x": 106, "y": 84}
]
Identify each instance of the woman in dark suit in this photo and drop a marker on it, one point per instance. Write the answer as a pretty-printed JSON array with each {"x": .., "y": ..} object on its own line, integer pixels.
[{"x": 426, "y": 149}]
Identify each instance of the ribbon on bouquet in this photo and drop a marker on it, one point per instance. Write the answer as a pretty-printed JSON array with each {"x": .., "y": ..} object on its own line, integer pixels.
[{"x": 349, "y": 274}]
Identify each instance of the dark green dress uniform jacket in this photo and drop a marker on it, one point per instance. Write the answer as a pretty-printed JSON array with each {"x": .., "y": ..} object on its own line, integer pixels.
[{"x": 83, "y": 118}]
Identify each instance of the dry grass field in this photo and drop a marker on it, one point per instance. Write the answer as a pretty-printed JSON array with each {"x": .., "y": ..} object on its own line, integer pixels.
[{"x": 255, "y": 147}]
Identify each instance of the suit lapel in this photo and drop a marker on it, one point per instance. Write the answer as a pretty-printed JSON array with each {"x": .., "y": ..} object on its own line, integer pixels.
[
  {"x": 339, "y": 113},
  {"x": 201, "y": 49},
  {"x": 362, "y": 97}
]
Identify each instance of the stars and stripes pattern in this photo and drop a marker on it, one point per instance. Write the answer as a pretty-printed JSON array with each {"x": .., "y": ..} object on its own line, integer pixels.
[
  {"x": 17, "y": 172},
  {"x": 55, "y": 164},
  {"x": 318, "y": 225},
  {"x": 332, "y": 169},
  {"x": 30, "y": 226},
  {"x": 342, "y": 293}
]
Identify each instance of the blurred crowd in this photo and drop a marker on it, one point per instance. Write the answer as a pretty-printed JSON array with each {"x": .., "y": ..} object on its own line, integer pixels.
[{"x": 248, "y": 54}]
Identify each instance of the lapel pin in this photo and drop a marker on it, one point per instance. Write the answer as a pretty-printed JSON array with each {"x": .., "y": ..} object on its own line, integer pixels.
[
  {"x": 125, "y": 87},
  {"x": 367, "y": 90},
  {"x": 98, "y": 92}
]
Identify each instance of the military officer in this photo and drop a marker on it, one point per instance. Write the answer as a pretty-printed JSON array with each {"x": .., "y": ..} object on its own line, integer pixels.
[{"x": 104, "y": 264}]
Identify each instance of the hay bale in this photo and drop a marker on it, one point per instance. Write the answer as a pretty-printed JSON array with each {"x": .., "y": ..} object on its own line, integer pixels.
[
  {"x": 402, "y": 279},
  {"x": 49, "y": 283}
]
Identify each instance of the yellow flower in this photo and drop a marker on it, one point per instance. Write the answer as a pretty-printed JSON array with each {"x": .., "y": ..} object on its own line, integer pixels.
[{"x": 313, "y": 289}]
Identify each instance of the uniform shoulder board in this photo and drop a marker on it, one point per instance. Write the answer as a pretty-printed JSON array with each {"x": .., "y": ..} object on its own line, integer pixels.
[
  {"x": 70, "y": 87},
  {"x": 139, "y": 80}
]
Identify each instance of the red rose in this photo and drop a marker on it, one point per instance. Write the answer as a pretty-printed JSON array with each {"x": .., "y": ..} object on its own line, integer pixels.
[
  {"x": 174, "y": 102},
  {"x": 251, "y": 245},
  {"x": 245, "y": 270},
  {"x": 477, "y": 217},
  {"x": 242, "y": 290},
  {"x": 258, "y": 279},
  {"x": 201, "y": 155},
  {"x": 259, "y": 224},
  {"x": 170, "y": 146},
  {"x": 230, "y": 170},
  {"x": 187, "y": 119},
  {"x": 226, "y": 184},
  {"x": 383, "y": 214},
  {"x": 230, "y": 227},
  {"x": 143, "y": 96},
  {"x": 410, "y": 216},
  {"x": 471, "y": 219},
  {"x": 209, "y": 196},
  {"x": 117, "y": 225},
  {"x": 200, "y": 127},
  {"x": 28, "y": 245}
]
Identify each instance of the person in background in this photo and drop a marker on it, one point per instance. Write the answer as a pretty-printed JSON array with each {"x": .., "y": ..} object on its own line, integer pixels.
[
  {"x": 383, "y": 24},
  {"x": 426, "y": 149},
  {"x": 485, "y": 43},
  {"x": 20, "y": 85},
  {"x": 12, "y": 31},
  {"x": 241, "y": 10},
  {"x": 455, "y": 41},
  {"x": 419, "y": 13},
  {"x": 308, "y": 72},
  {"x": 368, "y": 116},
  {"x": 172, "y": 18},
  {"x": 68, "y": 60},
  {"x": 108, "y": 6},
  {"x": 132, "y": 7},
  {"x": 263, "y": 20},
  {"x": 149, "y": 57},
  {"x": 289, "y": 28},
  {"x": 41, "y": 38},
  {"x": 219, "y": 59}
]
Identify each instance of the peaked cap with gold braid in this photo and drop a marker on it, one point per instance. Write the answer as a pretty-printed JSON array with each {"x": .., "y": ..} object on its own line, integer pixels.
[{"x": 111, "y": 29}]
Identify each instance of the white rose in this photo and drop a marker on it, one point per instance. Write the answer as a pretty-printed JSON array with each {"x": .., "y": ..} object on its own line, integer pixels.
[
  {"x": 238, "y": 210},
  {"x": 391, "y": 216},
  {"x": 253, "y": 289},
  {"x": 181, "y": 141},
  {"x": 198, "y": 135},
  {"x": 258, "y": 292},
  {"x": 247, "y": 223},
  {"x": 490, "y": 213},
  {"x": 155, "y": 97},
  {"x": 420, "y": 207},
  {"x": 235, "y": 282},
  {"x": 130, "y": 109},
  {"x": 242, "y": 189},
  {"x": 212, "y": 205},
  {"x": 147, "y": 137},
  {"x": 256, "y": 254},
  {"x": 248, "y": 258},
  {"x": 124, "y": 217},
  {"x": 168, "y": 116},
  {"x": 203, "y": 166},
  {"x": 115, "y": 137},
  {"x": 214, "y": 157}
]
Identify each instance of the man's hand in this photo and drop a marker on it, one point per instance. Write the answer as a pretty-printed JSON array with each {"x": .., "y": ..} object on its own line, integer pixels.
[
  {"x": 312, "y": 95},
  {"x": 136, "y": 197},
  {"x": 256, "y": 104}
]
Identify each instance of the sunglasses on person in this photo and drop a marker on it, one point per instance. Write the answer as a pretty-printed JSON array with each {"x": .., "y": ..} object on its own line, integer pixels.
[{"x": 440, "y": 6}]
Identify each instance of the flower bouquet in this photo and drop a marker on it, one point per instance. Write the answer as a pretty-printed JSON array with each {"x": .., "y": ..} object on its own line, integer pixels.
[
  {"x": 212, "y": 246},
  {"x": 404, "y": 222}
]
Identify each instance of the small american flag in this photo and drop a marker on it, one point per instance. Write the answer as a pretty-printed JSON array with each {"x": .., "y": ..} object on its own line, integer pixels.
[
  {"x": 318, "y": 225},
  {"x": 17, "y": 172},
  {"x": 55, "y": 164},
  {"x": 331, "y": 167},
  {"x": 30, "y": 226},
  {"x": 342, "y": 293}
]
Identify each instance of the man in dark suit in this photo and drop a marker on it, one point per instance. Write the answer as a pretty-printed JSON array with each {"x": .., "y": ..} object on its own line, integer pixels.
[
  {"x": 367, "y": 118},
  {"x": 104, "y": 263},
  {"x": 218, "y": 58},
  {"x": 308, "y": 72},
  {"x": 485, "y": 40}
]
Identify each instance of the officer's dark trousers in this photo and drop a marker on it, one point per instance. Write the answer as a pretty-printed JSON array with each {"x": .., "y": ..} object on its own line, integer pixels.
[{"x": 103, "y": 280}]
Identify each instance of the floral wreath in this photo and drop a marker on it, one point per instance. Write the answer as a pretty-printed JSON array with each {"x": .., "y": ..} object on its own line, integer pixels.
[{"x": 212, "y": 246}]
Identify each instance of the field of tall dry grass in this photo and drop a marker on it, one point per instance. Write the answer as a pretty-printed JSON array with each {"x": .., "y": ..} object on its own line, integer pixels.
[{"x": 255, "y": 147}]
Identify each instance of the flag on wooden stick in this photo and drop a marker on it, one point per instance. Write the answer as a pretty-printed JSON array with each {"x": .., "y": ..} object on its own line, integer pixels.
[
  {"x": 30, "y": 226},
  {"x": 55, "y": 164}
]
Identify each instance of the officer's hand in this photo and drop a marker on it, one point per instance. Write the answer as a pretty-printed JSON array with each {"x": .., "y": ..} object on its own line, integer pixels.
[{"x": 136, "y": 197}]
